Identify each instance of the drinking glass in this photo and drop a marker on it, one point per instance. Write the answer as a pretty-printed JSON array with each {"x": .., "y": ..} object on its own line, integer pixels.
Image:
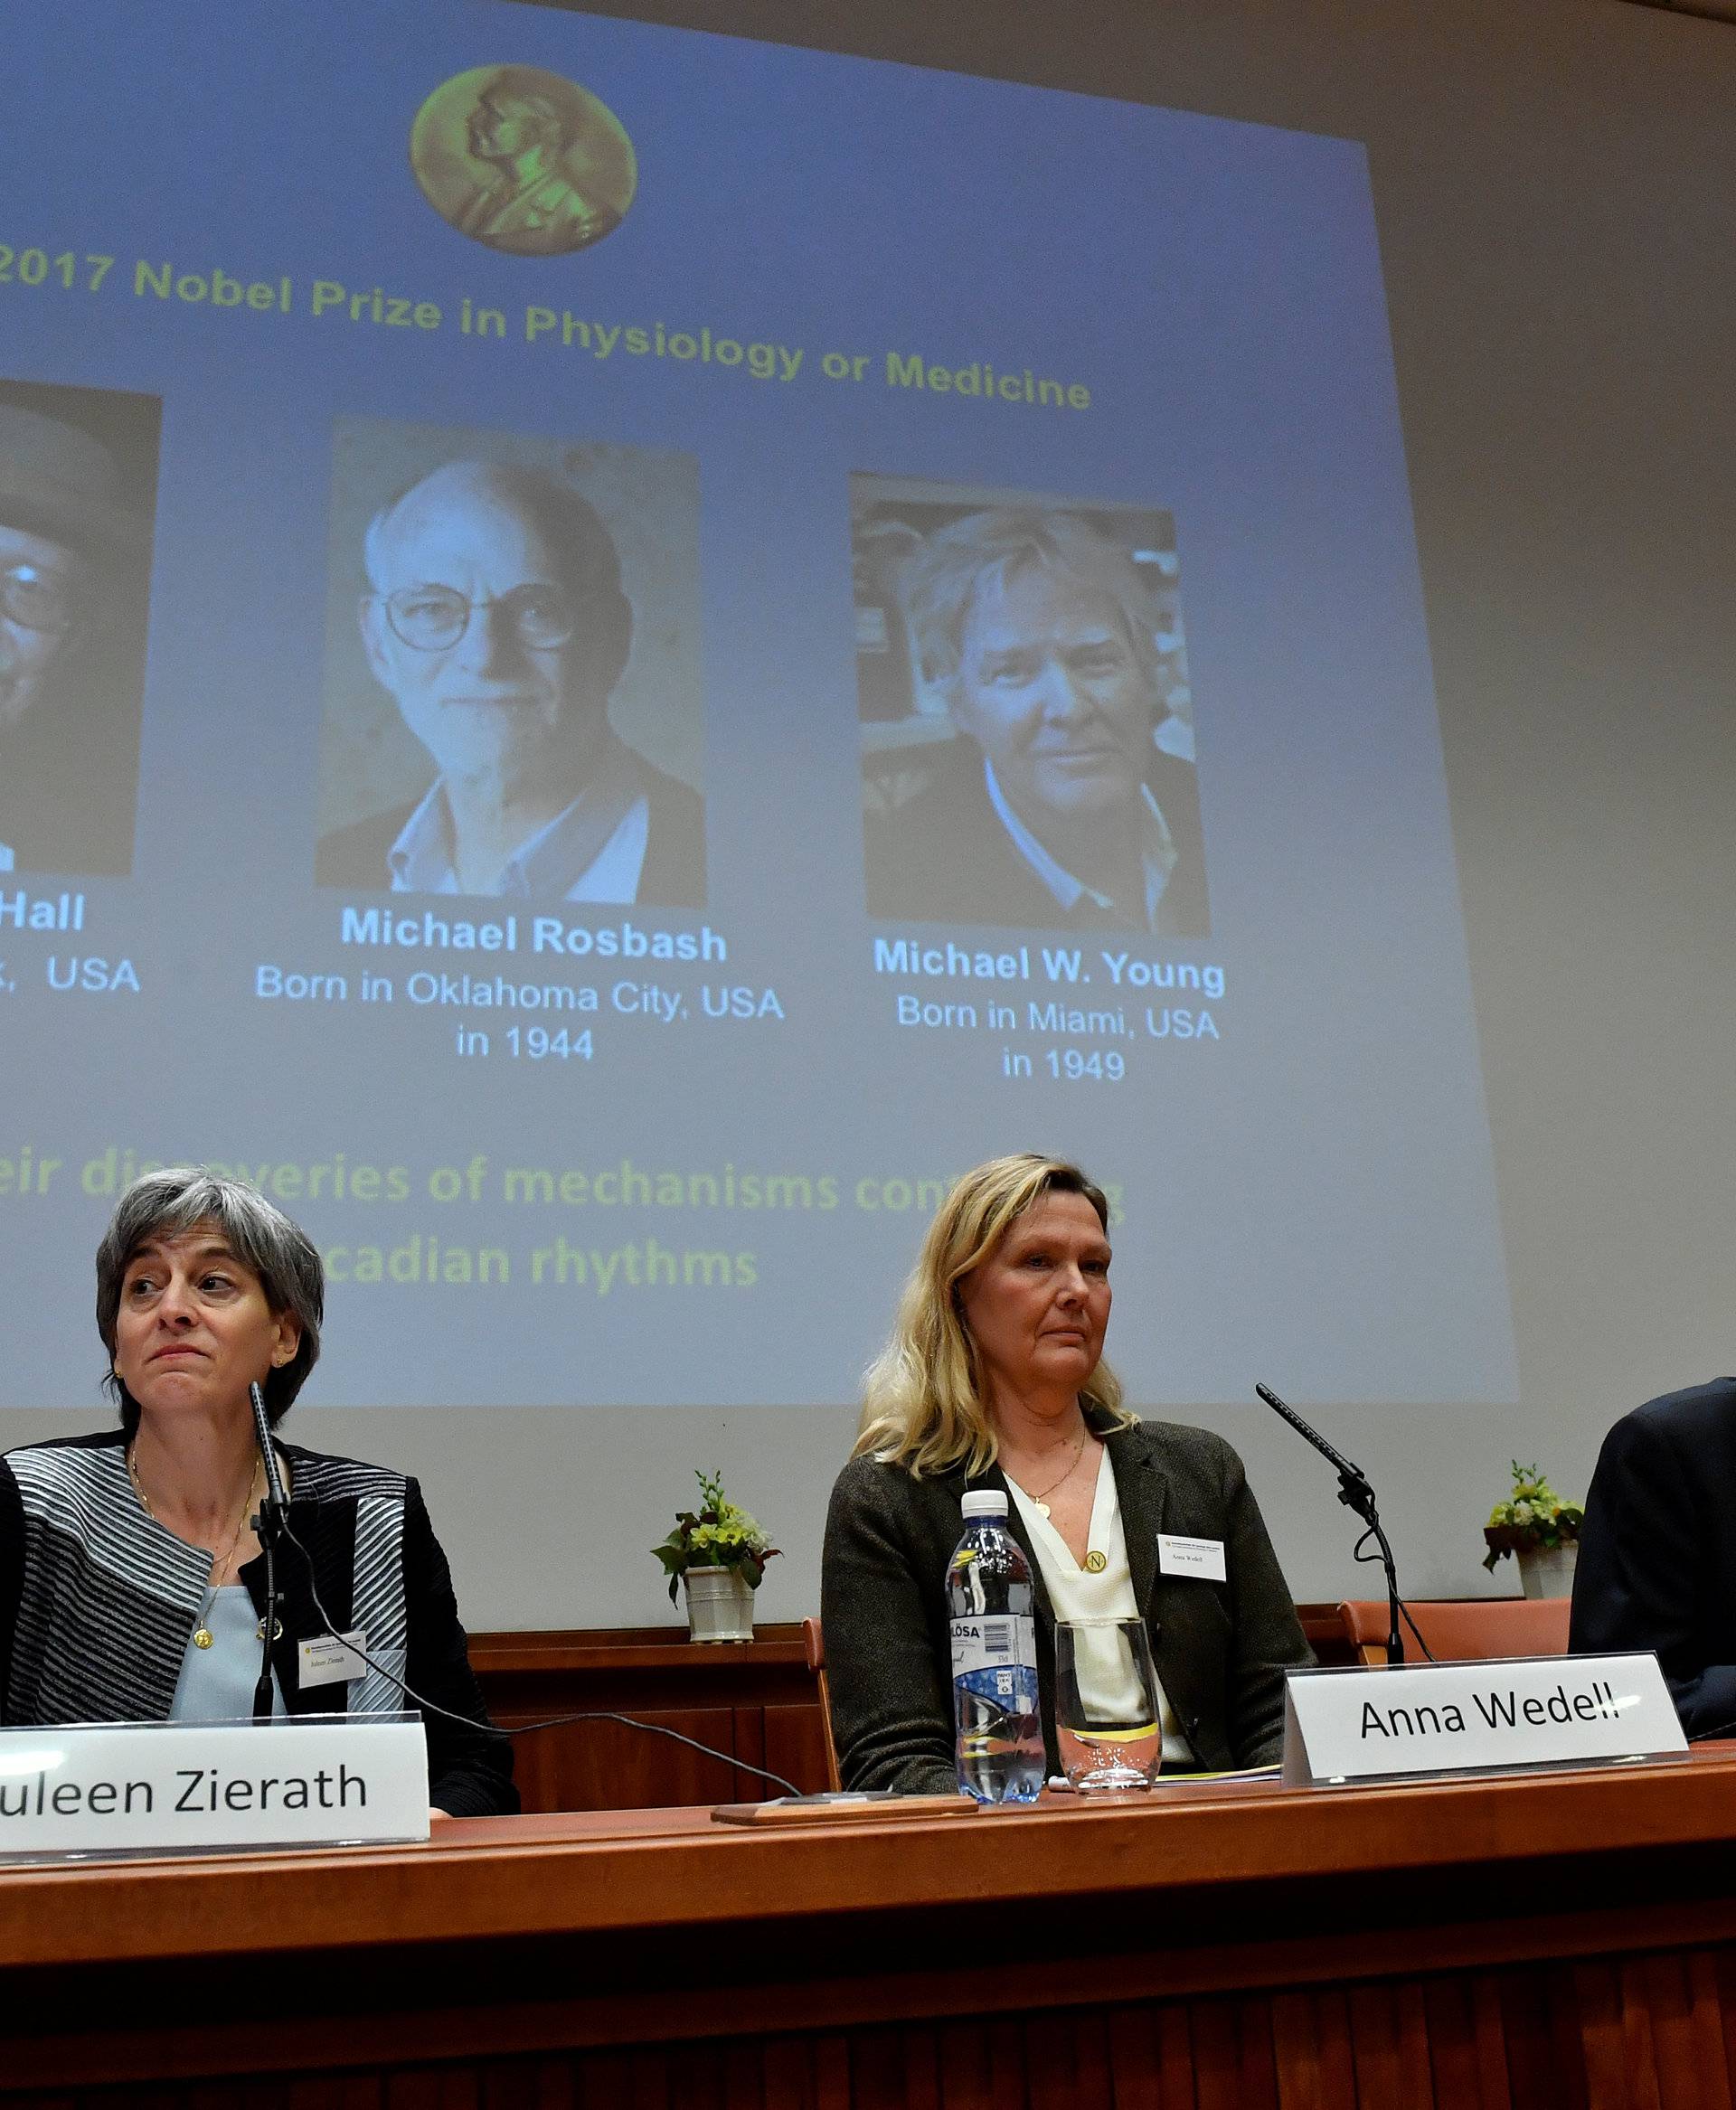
[{"x": 1107, "y": 1721}]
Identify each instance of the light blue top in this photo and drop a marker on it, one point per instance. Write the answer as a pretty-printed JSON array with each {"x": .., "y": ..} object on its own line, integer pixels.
[{"x": 216, "y": 1683}]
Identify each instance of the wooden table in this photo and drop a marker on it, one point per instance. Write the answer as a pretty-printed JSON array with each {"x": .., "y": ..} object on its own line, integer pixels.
[
  {"x": 1563, "y": 1939},
  {"x": 754, "y": 1700}
]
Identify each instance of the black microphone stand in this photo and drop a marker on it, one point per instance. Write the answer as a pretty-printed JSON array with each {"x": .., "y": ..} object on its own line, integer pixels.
[
  {"x": 269, "y": 1525},
  {"x": 1357, "y": 1496}
]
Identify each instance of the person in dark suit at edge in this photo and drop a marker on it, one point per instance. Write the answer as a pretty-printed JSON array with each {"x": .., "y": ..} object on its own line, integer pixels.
[{"x": 1658, "y": 1556}]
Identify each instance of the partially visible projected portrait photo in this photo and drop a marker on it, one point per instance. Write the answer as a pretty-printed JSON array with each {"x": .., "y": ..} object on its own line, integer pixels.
[
  {"x": 1027, "y": 726},
  {"x": 522, "y": 160},
  {"x": 78, "y": 494},
  {"x": 513, "y": 694}
]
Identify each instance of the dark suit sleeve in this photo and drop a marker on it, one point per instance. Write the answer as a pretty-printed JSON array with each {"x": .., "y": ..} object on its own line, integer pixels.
[
  {"x": 357, "y": 856},
  {"x": 673, "y": 875},
  {"x": 1268, "y": 1640},
  {"x": 891, "y": 1710},
  {"x": 1639, "y": 1581},
  {"x": 469, "y": 1770},
  {"x": 1184, "y": 910}
]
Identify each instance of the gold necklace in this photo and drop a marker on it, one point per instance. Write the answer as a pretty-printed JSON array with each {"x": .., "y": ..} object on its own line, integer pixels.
[
  {"x": 1041, "y": 1502},
  {"x": 201, "y": 1633}
]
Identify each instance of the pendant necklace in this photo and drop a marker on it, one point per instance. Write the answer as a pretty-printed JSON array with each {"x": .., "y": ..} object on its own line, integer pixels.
[
  {"x": 1041, "y": 1502},
  {"x": 1094, "y": 1561},
  {"x": 203, "y": 1636}
]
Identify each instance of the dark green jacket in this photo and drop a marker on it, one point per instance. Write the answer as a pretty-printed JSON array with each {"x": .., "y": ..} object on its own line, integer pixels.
[{"x": 1222, "y": 1649}]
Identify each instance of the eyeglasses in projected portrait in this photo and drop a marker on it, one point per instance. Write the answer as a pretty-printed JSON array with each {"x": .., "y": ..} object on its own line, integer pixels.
[
  {"x": 1027, "y": 727},
  {"x": 494, "y": 619},
  {"x": 522, "y": 160},
  {"x": 78, "y": 486}
]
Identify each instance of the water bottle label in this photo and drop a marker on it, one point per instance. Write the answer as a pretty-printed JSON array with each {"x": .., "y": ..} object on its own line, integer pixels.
[
  {"x": 1011, "y": 1689},
  {"x": 994, "y": 1642}
]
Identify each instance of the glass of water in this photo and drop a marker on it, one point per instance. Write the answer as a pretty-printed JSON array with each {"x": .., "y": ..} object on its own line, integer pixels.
[{"x": 1107, "y": 1722}]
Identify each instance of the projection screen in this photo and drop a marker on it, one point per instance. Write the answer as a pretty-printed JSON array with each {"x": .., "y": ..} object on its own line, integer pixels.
[{"x": 624, "y": 650}]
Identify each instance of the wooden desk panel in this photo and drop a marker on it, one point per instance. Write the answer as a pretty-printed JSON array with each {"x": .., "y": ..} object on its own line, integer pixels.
[
  {"x": 755, "y": 1700},
  {"x": 1563, "y": 1939}
]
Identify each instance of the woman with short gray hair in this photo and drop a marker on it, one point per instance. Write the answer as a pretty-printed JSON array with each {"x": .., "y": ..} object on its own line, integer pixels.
[{"x": 132, "y": 1587}]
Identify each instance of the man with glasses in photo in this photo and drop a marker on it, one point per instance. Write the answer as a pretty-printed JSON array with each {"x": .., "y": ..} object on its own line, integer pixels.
[
  {"x": 497, "y": 621},
  {"x": 71, "y": 600}
]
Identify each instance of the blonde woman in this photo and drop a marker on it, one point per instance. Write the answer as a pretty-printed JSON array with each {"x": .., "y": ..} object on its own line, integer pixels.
[{"x": 995, "y": 1377}]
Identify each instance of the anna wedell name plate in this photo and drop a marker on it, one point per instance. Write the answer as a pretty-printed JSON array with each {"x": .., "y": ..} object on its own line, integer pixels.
[
  {"x": 1345, "y": 1725},
  {"x": 169, "y": 1787}
]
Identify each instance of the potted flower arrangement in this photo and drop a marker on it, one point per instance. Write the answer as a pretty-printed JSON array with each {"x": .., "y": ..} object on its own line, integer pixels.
[
  {"x": 1540, "y": 1530},
  {"x": 720, "y": 1553}
]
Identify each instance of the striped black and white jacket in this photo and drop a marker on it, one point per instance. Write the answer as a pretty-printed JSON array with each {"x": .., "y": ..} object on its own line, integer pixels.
[{"x": 98, "y": 1602}]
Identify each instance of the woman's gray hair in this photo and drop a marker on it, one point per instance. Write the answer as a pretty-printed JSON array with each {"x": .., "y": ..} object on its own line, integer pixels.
[
  {"x": 940, "y": 578},
  {"x": 165, "y": 1203}
]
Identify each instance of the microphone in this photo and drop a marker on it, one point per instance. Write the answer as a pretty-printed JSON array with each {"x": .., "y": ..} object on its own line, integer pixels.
[
  {"x": 270, "y": 1525},
  {"x": 1353, "y": 1476},
  {"x": 262, "y": 1436},
  {"x": 1358, "y": 1496}
]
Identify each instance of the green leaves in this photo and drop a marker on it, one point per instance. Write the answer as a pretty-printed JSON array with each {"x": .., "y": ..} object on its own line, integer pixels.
[
  {"x": 1533, "y": 1514},
  {"x": 716, "y": 1535}
]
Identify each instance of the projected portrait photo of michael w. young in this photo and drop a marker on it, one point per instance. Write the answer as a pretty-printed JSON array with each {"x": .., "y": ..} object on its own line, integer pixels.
[
  {"x": 78, "y": 492},
  {"x": 1027, "y": 729},
  {"x": 512, "y": 699}
]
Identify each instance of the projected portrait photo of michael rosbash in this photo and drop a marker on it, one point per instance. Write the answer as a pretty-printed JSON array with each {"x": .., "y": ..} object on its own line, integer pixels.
[{"x": 504, "y": 662}]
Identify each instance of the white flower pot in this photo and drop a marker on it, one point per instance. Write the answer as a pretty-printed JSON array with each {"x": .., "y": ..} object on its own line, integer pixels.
[
  {"x": 1547, "y": 1571},
  {"x": 719, "y": 1604}
]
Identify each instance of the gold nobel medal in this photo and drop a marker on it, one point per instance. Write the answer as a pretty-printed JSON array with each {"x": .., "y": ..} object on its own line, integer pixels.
[
  {"x": 1096, "y": 1562},
  {"x": 522, "y": 160}
]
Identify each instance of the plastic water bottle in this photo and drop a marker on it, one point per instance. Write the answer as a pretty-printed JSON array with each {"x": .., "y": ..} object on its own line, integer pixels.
[{"x": 1000, "y": 1723}]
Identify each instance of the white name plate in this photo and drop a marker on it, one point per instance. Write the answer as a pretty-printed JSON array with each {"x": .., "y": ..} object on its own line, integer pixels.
[
  {"x": 170, "y": 1787},
  {"x": 1343, "y": 1725}
]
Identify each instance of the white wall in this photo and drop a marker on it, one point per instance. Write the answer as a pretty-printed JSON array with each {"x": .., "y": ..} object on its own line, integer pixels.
[{"x": 1556, "y": 201}]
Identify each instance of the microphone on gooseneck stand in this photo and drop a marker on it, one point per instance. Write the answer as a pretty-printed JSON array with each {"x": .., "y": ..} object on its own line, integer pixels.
[
  {"x": 1355, "y": 1493},
  {"x": 271, "y": 1526}
]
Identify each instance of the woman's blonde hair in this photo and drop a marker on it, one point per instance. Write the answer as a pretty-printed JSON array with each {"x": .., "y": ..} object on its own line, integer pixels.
[{"x": 922, "y": 1405}]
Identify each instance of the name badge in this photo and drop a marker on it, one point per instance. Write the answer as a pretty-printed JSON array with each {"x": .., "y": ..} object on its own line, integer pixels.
[
  {"x": 1202, "y": 1557},
  {"x": 330, "y": 1659}
]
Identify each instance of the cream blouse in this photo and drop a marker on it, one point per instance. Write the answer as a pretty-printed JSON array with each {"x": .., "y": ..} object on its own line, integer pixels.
[{"x": 1076, "y": 1593}]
